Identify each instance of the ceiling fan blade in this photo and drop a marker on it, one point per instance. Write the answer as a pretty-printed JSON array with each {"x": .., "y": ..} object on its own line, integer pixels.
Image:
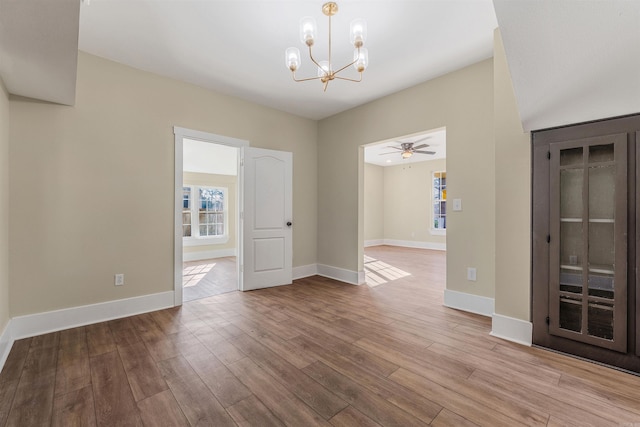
[
  {"x": 423, "y": 139},
  {"x": 420, "y": 146},
  {"x": 384, "y": 154},
  {"x": 396, "y": 148},
  {"x": 424, "y": 152}
]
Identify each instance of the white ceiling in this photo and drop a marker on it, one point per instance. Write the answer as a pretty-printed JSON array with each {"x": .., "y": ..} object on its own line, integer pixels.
[
  {"x": 572, "y": 61},
  {"x": 376, "y": 153},
  {"x": 237, "y": 47},
  {"x": 205, "y": 157}
]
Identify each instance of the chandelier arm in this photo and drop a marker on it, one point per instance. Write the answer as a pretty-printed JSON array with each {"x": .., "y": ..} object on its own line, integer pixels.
[
  {"x": 313, "y": 59},
  {"x": 346, "y": 66},
  {"x": 306, "y": 79},
  {"x": 351, "y": 80}
]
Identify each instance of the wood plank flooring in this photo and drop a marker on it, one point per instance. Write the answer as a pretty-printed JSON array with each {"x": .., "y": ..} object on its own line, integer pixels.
[
  {"x": 209, "y": 277},
  {"x": 317, "y": 352}
]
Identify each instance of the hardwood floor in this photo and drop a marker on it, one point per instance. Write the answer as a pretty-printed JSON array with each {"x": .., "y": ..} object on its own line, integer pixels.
[
  {"x": 209, "y": 277},
  {"x": 317, "y": 352}
]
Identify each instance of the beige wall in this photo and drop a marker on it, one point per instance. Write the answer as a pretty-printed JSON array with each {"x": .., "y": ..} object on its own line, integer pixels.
[
  {"x": 92, "y": 185},
  {"x": 92, "y": 190},
  {"x": 513, "y": 196},
  {"x": 461, "y": 101},
  {"x": 230, "y": 183},
  {"x": 4, "y": 207},
  {"x": 373, "y": 202},
  {"x": 408, "y": 207}
]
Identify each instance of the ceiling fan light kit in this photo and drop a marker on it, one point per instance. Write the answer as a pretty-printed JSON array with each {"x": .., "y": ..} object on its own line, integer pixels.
[{"x": 325, "y": 69}]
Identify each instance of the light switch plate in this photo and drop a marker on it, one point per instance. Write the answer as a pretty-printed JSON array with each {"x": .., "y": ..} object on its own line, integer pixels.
[{"x": 457, "y": 204}]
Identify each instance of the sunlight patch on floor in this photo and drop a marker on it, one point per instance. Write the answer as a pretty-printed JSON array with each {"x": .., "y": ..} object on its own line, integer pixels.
[
  {"x": 192, "y": 275},
  {"x": 379, "y": 272}
]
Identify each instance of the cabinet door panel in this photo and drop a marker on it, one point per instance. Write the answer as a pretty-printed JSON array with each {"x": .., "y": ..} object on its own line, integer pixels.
[{"x": 587, "y": 258}]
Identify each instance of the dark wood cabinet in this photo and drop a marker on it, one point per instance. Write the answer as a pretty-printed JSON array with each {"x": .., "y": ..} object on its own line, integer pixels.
[{"x": 584, "y": 222}]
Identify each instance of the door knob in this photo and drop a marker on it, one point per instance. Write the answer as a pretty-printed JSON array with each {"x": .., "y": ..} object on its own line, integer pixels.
[{"x": 289, "y": 224}]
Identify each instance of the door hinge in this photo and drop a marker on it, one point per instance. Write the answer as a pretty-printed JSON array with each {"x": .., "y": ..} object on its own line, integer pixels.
[
  {"x": 547, "y": 320},
  {"x": 548, "y": 238},
  {"x": 241, "y": 161},
  {"x": 548, "y": 154}
]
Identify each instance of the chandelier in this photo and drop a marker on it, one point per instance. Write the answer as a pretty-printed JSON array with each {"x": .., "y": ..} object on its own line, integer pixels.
[{"x": 326, "y": 71}]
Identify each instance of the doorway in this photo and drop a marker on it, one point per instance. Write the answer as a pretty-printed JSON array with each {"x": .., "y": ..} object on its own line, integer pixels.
[
  {"x": 404, "y": 199},
  {"x": 209, "y": 218},
  {"x": 207, "y": 213},
  {"x": 263, "y": 212}
]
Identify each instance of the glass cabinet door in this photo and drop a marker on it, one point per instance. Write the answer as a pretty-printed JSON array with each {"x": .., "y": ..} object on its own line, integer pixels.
[{"x": 588, "y": 221}]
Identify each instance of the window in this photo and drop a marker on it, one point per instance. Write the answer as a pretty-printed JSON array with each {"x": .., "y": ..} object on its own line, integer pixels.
[
  {"x": 211, "y": 212},
  {"x": 204, "y": 215},
  {"x": 440, "y": 200},
  {"x": 186, "y": 211}
]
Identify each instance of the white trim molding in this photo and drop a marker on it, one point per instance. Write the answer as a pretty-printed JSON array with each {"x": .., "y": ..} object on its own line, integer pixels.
[
  {"x": 347, "y": 276},
  {"x": 6, "y": 342},
  {"x": 52, "y": 321},
  {"x": 415, "y": 244},
  {"x": 304, "y": 271},
  {"x": 191, "y": 242},
  {"x": 511, "y": 329},
  {"x": 209, "y": 137},
  {"x": 468, "y": 302},
  {"x": 375, "y": 242},
  {"x": 200, "y": 255}
]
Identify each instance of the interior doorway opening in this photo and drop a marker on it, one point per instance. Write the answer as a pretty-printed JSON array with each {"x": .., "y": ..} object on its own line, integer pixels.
[
  {"x": 207, "y": 214},
  {"x": 209, "y": 218},
  {"x": 404, "y": 201}
]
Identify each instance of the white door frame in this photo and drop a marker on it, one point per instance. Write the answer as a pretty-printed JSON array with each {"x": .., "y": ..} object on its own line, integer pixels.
[{"x": 180, "y": 134}]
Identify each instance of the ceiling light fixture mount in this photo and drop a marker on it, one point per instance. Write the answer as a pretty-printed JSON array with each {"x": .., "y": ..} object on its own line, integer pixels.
[{"x": 326, "y": 73}]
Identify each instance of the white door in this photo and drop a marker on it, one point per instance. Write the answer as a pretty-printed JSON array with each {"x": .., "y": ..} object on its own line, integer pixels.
[{"x": 266, "y": 215}]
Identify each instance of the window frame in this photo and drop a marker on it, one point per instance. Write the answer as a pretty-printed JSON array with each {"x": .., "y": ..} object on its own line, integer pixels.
[
  {"x": 195, "y": 239},
  {"x": 434, "y": 200}
]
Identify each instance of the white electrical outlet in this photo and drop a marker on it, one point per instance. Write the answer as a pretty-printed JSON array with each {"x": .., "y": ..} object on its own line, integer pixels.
[
  {"x": 471, "y": 274},
  {"x": 119, "y": 279}
]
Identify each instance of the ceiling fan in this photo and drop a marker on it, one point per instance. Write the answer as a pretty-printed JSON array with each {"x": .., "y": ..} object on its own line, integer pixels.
[{"x": 408, "y": 149}]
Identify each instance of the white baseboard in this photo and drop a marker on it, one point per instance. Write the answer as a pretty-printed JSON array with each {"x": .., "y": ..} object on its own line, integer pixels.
[
  {"x": 376, "y": 242},
  {"x": 362, "y": 279},
  {"x": 51, "y": 321},
  {"x": 511, "y": 329},
  {"x": 200, "y": 255},
  {"x": 6, "y": 342},
  {"x": 347, "y": 276},
  {"x": 469, "y": 302},
  {"x": 415, "y": 244},
  {"x": 304, "y": 271}
]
